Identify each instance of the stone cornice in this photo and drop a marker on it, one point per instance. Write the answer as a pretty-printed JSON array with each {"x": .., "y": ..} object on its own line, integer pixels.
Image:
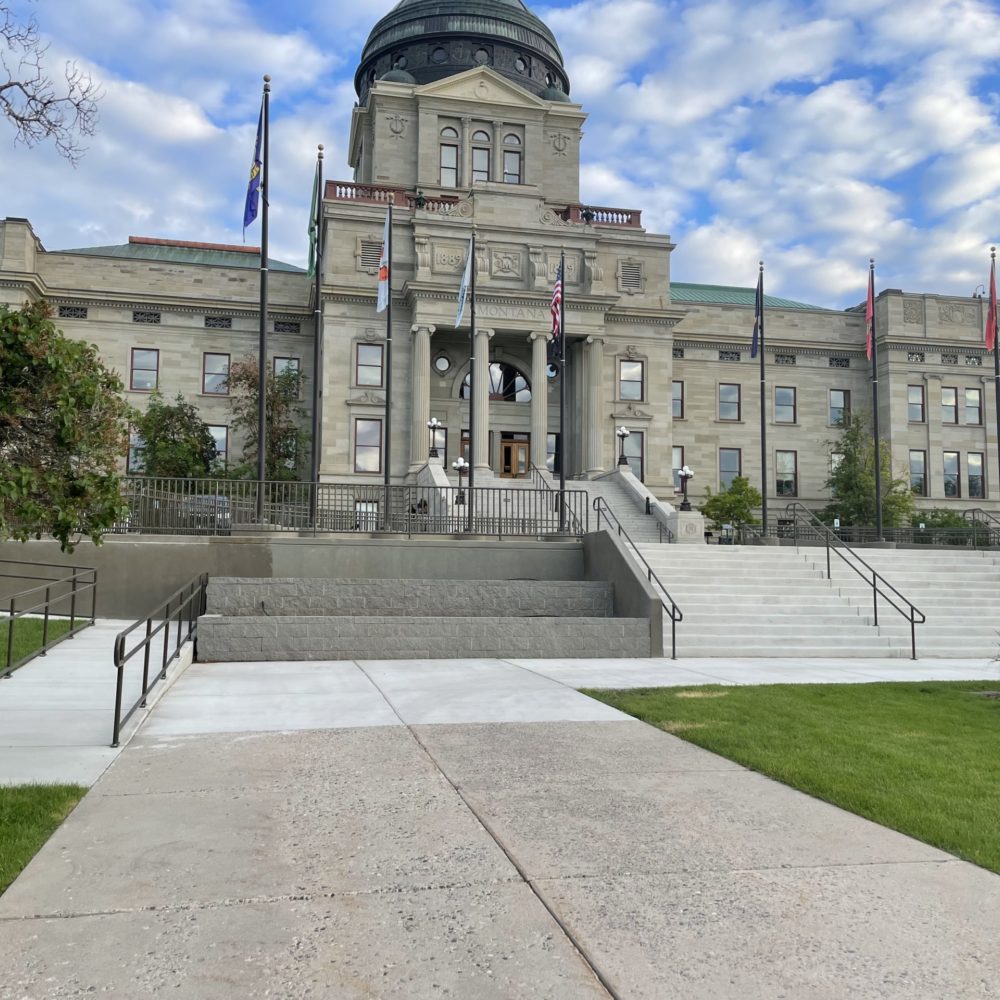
[{"x": 744, "y": 346}]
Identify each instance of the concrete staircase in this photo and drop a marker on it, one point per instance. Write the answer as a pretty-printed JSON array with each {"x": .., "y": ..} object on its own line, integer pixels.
[
  {"x": 746, "y": 601},
  {"x": 339, "y": 619},
  {"x": 641, "y": 527}
]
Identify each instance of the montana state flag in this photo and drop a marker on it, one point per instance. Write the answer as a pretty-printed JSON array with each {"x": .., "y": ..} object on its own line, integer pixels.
[{"x": 253, "y": 187}]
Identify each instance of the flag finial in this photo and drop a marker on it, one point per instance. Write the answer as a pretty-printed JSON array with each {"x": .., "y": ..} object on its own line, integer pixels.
[
  {"x": 321, "y": 147},
  {"x": 267, "y": 78}
]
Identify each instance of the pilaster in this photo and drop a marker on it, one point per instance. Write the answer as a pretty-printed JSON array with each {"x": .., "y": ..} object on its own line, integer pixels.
[
  {"x": 421, "y": 404},
  {"x": 539, "y": 398},
  {"x": 593, "y": 406},
  {"x": 481, "y": 395}
]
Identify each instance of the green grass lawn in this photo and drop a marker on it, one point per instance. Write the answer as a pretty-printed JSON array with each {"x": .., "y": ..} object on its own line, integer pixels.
[
  {"x": 921, "y": 758},
  {"x": 29, "y": 814},
  {"x": 28, "y": 636}
]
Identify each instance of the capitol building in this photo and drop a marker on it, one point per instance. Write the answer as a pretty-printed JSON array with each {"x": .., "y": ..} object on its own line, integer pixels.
[{"x": 465, "y": 121}]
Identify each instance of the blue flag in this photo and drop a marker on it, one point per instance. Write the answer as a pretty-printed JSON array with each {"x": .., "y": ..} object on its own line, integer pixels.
[
  {"x": 758, "y": 316},
  {"x": 253, "y": 188}
]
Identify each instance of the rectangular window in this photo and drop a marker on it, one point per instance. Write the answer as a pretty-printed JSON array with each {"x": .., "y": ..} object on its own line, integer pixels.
[
  {"x": 784, "y": 405},
  {"x": 918, "y": 472},
  {"x": 840, "y": 407},
  {"x": 215, "y": 374},
  {"x": 915, "y": 404},
  {"x": 449, "y": 166},
  {"x": 977, "y": 483},
  {"x": 367, "y": 445},
  {"x": 552, "y": 456},
  {"x": 283, "y": 366},
  {"x": 949, "y": 405},
  {"x": 630, "y": 376},
  {"x": 134, "y": 462},
  {"x": 480, "y": 164},
  {"x": 973, "y": 406},
  {"x": 678, "y": 400},
  {"x": 144, "y": 370},
  {"x": 786, "y": 473},
  {"x": 730, "y": 466},
  {"x": 511, "y": 167},
  {"x": 952, "y": 475},
  {"x": 368, "y": 365},
  {"x": 220, "y": 435},
  {"x": 729, "y": 401},
  {"x": 635, "y": 452},
  {"x": 678, "y": 464}
]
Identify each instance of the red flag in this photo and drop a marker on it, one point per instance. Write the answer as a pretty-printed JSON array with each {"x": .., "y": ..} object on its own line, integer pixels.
[
  {"x": 870, "y": 311},
  {"x": 991, "y": 316}
]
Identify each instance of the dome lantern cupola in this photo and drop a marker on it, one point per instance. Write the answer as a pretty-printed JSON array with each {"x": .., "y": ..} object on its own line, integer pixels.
[{"x": 426, "y": 40}]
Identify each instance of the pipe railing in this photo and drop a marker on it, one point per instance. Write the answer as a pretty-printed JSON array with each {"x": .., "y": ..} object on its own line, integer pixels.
[
  {"x": 673, "y": 611},
  {"x": 572, "y": 524},
  {"x": 799, "y": 513},
  {"x": 183, "y": 606},
  {"x": 54, "y": 597}
]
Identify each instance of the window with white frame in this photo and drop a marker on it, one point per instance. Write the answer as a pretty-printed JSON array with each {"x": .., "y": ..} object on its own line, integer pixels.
[
  {"x": 482, "y": 154},
  {"x": 449, "y": 157},
  {"x": 513, "y": 163},
  {"x": 367, "y": 445}
]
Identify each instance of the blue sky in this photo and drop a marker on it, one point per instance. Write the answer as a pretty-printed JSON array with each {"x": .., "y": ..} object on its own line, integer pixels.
[{"x": 810, "y": 134}]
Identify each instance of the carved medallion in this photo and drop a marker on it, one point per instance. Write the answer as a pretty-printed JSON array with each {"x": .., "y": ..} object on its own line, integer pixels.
[
  {"x": 913, "y": 311},
  {"x": 560, "y": 142},
  {"x": 957, "y": 314},
  {"x": 397, "y": 125},
  {"x": 506, "y": 263}
]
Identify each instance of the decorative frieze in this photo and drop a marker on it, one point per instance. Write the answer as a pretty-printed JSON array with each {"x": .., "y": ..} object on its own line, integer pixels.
[{"x": 957, "y": 314}]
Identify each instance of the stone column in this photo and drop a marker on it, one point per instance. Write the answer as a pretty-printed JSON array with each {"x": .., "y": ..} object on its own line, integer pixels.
[
  {"x": 482, "y": 399},
  {"x": 496, "y": 168},
  {"x": 539, "y": 398},
  {"x": 465, "y": 155},
  {"x": 593, "y": 407},
  {"x": 420, "y": 401}
]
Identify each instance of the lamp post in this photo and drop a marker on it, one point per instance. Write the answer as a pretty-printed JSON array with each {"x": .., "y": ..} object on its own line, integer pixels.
[
  {"x": 685, "y": 475},
  {"x": 622, "y": 433},
  {"x": 461, "y": 467},
  {"x": 432, "y": 425}
]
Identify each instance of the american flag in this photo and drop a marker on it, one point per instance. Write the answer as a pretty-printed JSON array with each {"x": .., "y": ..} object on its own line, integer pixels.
[
  {"x": 556, "y": 307},
  {"x": 870, "y": 312}
]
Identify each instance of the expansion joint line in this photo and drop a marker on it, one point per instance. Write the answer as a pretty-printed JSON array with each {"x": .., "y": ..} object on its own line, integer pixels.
[{"x": 484, "y": 823}]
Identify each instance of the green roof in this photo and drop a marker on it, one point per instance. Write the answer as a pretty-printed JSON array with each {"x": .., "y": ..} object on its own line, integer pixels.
[
  {"x": 732, "y": 295},
  {"x": 182, "y": 252}
]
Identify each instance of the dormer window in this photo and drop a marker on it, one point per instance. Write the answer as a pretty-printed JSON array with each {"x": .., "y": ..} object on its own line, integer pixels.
[
  {"x": 512, "y": 162},
  {"x": 481, "y": 155},
  {"x": 449, "y": 157}
]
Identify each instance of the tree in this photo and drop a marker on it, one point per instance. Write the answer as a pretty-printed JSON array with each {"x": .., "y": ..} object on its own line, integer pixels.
[
  {"x": 286, "y": 440},
  {"x": 852, "y": 480},
  {"x": 734, "y": 505},
  {"x": 28, "y": 96},
  {"x": 63, "y": 428},
  {"x": 176, "y": 442}
]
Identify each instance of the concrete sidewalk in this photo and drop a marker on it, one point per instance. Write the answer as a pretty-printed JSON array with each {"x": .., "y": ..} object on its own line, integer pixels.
[{"x": 472, "y": 830}]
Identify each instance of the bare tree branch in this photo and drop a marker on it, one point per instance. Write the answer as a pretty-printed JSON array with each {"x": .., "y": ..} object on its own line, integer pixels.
[{"x": 28, "y": 96}]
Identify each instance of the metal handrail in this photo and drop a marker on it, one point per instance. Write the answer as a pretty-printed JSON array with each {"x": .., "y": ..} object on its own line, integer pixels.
[
  {"x": 190, "y": 604},
  {"x": 79, "y": 579},
  {"x": 675, "y": 613},
  {"x": 543, "y": 484},
  {"x": 979, "y": 517},
  {"x": 913, "y": 614}
]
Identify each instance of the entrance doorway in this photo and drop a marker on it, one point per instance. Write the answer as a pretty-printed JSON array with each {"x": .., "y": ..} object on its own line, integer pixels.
[{"x": 515, "y": 456}]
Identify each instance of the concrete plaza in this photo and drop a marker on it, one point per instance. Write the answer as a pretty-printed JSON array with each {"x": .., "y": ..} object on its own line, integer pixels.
[{"x": 478, "y": 829}]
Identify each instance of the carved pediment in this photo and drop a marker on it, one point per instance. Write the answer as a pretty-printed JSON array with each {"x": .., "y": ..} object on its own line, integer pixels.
[
  {"x": 482, "y": 84},
  {"x": 367, "y": 399}
]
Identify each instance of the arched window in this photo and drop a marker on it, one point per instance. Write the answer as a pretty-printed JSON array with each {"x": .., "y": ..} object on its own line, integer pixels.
[
  {"x": 481, "y": 155},
  {"x": 449, "y": 157},
  {"x": 512, "y": 159},
  {"x": 507, "y": 384}
]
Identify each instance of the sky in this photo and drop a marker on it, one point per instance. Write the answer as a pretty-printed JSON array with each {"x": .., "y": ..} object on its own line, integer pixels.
[{"x": 812, "y": 135}]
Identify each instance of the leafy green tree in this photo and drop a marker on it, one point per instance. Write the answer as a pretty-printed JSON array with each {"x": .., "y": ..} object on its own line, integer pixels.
[
  {"x": 734, "y": 505},
  {"x": 286, "y": 440},
  {"x": 176, "y": 442},
  {"x": 852, "y": 480},
  {"x": 63, "y": 428}
]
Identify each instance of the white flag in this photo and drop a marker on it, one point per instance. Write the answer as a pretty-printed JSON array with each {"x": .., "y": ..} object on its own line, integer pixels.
[
  {"x": 463, "y": 291},
  {"x": 384, "y": 278}
]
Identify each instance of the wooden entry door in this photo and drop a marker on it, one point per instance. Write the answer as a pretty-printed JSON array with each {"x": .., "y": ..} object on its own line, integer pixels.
[{"x": 514, "y": 459}]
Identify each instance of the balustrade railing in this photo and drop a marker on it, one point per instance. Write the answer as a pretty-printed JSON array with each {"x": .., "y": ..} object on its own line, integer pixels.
[{"x": 600, "y": 216}]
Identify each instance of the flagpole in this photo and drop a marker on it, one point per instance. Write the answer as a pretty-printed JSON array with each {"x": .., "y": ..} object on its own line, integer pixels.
[
  {"x": 262, "y": 345},
  {"x": 763, "y": 407},
  {"x": 470, "y": 498},
  {"x": 996, "y": 351},
  {"x": 388, "y": 364},
  {"x": 317, "y": 395},
  {"x": 875, "y": 428},
  {"x": 562, "y": 393}
]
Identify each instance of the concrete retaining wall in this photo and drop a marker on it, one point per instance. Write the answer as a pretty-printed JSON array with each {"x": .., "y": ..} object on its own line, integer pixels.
[
  {"x": 410, "y": 637},
  {"x": 439, "y": 598}
]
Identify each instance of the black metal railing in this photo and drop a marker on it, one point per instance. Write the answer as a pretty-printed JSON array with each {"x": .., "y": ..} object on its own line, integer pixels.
[
  {"x": 224, "y": 507},
  {"x": 977, "y": 534},
  {"x": 571, "y": 524},
  {"x": 809, "y": 525},
  {"x": 983, "y": 525},
  {"x": 673, "y": 611},
  {"x": 183, "y": 607},
  {"x": 56, "y": 596}
]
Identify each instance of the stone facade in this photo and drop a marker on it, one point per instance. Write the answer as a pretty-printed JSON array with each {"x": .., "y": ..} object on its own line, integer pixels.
[{"x": 475, "y": 152}]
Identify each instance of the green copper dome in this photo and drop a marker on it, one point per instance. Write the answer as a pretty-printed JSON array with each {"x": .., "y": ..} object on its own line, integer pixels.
[{"x": 434, "y": 39}]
